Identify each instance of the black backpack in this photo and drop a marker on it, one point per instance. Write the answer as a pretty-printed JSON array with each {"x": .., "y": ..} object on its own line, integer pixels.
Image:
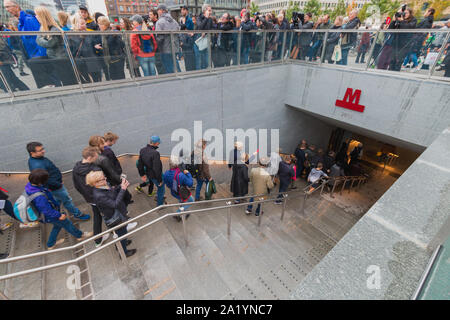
[{"x": 193, "y": 168}]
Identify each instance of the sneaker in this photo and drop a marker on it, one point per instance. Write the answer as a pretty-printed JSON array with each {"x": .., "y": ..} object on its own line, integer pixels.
[
  {"x": 3, "y": 255},
  {"x": 23, "y": 74},
  {"x": 128, "y": 242},
  {"x": 139, "y": 189},
  {"x": 131, "y": 226},
  {"x": 85, "y": 235},
  {"x": 130, "y": 252},
  {"x": 178, "y": 218},
  {"x": 5, "y": 226},
  {"x": 29, "y": 225},
  {"x": 82, "y": 217},
  {"x": 104, "y": 238},
  {"x": 57, "y": 243},
  {"x": 115, "y": 236},
  {"x": 237, "y": 201},
  {"x": 278, "y": 202},
  {"x": 151, "y": 194},
  {"x": 257, "y": 214},
  {"x": 247, "y": 211}
]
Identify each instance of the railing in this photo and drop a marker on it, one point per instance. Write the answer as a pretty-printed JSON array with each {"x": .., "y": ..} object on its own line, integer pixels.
[
  {"x": 73, "y": 70},
  {"x": 258, "y": 199}
]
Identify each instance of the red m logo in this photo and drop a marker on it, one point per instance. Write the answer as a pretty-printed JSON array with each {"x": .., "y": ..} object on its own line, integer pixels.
[{"x": 351, "y": 100}]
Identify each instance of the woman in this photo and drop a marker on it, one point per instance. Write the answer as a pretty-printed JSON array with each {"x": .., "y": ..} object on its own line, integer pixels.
[
  {"x": 363, "y": 47},
  {"x": 47, "y": 206},
  {"x": 203, "y": 172},
  {"x": 63, "y": 18},
  {"x": 401, "y": 41},
  {"x": 143, "y": 47},
  {"x": 126, "y": 25},
  {"x": 333, "y": 40},
  {"x": 240, "y": 179},
  {"x": 110, "y": 201},
  {"x": 86, "y": 56},
  {"x": 62, "y": 69},
  {"x": 113, "y": 49}
]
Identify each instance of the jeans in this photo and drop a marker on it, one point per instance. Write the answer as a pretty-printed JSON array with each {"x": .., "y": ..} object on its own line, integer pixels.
[
  {"x": 313, "y": 50},
  {"x": 411, "y": 56},
  {"x": 198, "y": 189},
  {"x": 283, "y": 188},
  {"x": 344, "y": 56},
  {"x": 97, "y": 222},
  {"x": 63, "y": 196},
  {"x": 201, "y": 58},
  {"x": 186, "y": 206},
  {"x": 245, "y": 55},
  {"x": 62, "y": 224},
  {"x": 160, "y": 193},
  {"x": 120, "y": 232},
  {"x": 147, "y": 65},
  {"x": 250, "y": 206}
]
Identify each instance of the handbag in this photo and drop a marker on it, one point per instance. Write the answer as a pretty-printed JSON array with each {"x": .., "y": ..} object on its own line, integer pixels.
[
  {"x": 210, "y": 189},
  {"x": 183, "y": 191},
  {"x": 202, "y": 43},
  {"x": 116, "y": 219},
  {"x": 431, "y": 58},
  {"x": 337, "y": 52}
]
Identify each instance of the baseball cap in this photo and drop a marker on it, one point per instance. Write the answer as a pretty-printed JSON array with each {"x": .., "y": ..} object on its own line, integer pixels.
[
  {"x": 155, "y": 139},
  {"x": 83, "y": 7}
]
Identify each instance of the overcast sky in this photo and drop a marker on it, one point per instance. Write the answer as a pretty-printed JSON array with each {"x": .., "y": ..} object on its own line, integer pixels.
[{"x": 97, "y": 6}]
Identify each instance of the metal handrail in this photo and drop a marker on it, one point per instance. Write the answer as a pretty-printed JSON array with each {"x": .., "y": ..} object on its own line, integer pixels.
[{"x": 426, "y": 273}]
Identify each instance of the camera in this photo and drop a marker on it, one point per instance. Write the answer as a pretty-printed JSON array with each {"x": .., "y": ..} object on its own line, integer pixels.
[
  {"x": 402, "y": 13},
  {"x": 298, "y": 17}
]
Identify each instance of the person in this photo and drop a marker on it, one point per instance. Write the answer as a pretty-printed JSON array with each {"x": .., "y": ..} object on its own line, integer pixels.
[
  {"x": 182, "y": 178},
  {"x": 86, "y": 56},
  {"x": 332, "y": 40},
  {"x": 147, "y": 182},
  {"x": 261, "y": 182},
  {"x": 143, "y": 46},
  {"x": 187, "y": 39},
  {"x": 348, "y": 39},
  {"x": 62, "y": 70},
  {"x": 294, "y": 167},
  {"x": 305, "y": 37},
  {"x": 126, "y": 25},
  {"x": 336, "y": 171},
  {"x": 7, "y": 60},
  {"x": 235, "y": 154},
  {"x": 385, "y": 56},
  {"x": 285, "y": 173},
  {"x": 318, "y": 157},
  {"x": 239, "y": 178},
  {"x": 323, "y": 24},
  {"x": 97, "y": 15},
  {"x": 7, "y": 207},
  {"x": 401, "y": 41},
  {"x": 113, "y": 176},
  {"x": 110, "y": 140},
  {"x": 314, "y": 177},
  {"x": 49, "y": 207},
  {"x": 204, "y": 22},
  {"x": 166, "y": 41},
  {"x": 356, "y": 154},
  {"x": 379, "y": 40},
  {"x": 79, "y": 173},
  {"x": 247, "y": 25},
  {"x": 112, "y": 48},
  {"x": 201, "y": 160},
  {"x": 150, "y": 167},
  {"x": 300, "y": 155},
  {"x": 225, "y": 41},
  {"x": 108, "y": 200},
  {"x": 90, "y": 23},
  {"x": 363, "y": 47},
  {"x": 16, "y": 46},
  {"x": 275, "y": 160},
  {"x": 328, "y": 161},
  {"x": 63, "y": 20},
  {"x": 37, "y": 160}
]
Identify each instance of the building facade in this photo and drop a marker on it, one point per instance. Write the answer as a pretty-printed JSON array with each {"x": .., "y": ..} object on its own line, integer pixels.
[
  {"x": 127, "y": 8},
  {"x": 277, "y": 5}
]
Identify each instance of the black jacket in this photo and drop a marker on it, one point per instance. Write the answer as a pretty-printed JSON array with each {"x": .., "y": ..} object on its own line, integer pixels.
[
  {"x": 301, "y": 158},
  {"x": 285, "y": 172},
  {"x": 108, "y": 200},
  {"x": 239, "y": 180},
  {"x": 419, "y": 38},
  {"x": 349, "y": 39},
  {"x": 84, "y": 51},
  {"x": 328, "y": 162},
  {"x": 108, "y": 169},
  {"x": 150, "y": 158},
  {"x": 116, "y": 47},
  {"x": 306, "y": 37},
  {"x": 204, "y": 23},
  {"x": 402, "y": 41},
  {"x": 79, "y": 173},
  {"x": 107, "y": 152},
  {"x": 225, "y": 40}
]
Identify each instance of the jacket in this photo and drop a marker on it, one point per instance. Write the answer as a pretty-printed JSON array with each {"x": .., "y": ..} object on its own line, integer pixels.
[
  {"x": 349, "y": 39},
  {"x": 150, "y": 159},
  {"x": 167, "y": 23},
  {"x": 322, "y": 26},
  {"x": 91, "y": 25},
  {"x": 239, "y": 180},
  {"x": 204, "y": 23},
  {"x": 188, "y": 25},
  {"x": 46, "y": 205},
  {"x": 107, "y": 152},
  {"x": 419, "y": 38},
  {"x": 136, "y": 40},
  {"x": 286, "y": 172},
  {"x": 306, "y": 37},
  {"x": 315, "y": 175},
  {"x": 261, "y": 181},
  {"x": 53, "y": 43},
  {"x": 79, "y": 173},
  {"x": 301, "y": 158},
  {"x": 225, "y": 39},
  {"x": 112, "y": 176},
  {"x": 28, "y": 22},
  {"x": 247, "y": 36},
  {"x": 84, "y": 52},
  {"x": 6, "y": 56},
  {"x": 401, "y": 41},
  {"x": 108, "y": 200},
  {"x": 113, "y": 48},
  {"x": 202, "y": 161},
  {"x": 55, "y": 178},
  {"x": 333, "y": 38},
  {"x": 183, "y": 179}
]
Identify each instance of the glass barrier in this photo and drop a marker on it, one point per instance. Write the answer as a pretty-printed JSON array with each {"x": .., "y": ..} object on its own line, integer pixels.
[
  {"x": 440, "y": 46},
  {"x": 306, "y": 46},
  {"x": 224, "y": 49},
  {"x": 251, "y": 47}
]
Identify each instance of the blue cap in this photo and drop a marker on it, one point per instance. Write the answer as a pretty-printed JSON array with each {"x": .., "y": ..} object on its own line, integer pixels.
[{"x": 155, "y": 139}]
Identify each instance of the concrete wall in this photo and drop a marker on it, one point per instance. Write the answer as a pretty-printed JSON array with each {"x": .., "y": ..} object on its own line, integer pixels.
[
  {"x": 411, "y": 110},
  {"x": 238, "y": 99}
]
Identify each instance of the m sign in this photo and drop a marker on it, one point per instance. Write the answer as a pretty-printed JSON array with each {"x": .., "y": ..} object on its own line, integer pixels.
[{"x": 351, "y": 100}]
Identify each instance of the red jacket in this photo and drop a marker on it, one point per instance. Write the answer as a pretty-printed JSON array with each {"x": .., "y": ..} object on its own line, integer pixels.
[{"x": 136, "y": 45}]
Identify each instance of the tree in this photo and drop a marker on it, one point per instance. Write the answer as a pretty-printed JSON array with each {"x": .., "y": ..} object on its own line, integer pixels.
[
  {"x": 440, "y": 6},
  {"x": 363, "y": 14},
  {"x": 388, "y": 7},
  {"x": 339, "y": 10},
  {"x": 313, "y": 6},
  {"x": 350, "y": 7},
  {"x": 292, "y": 8},
  {"x": 253, "y": 8}
]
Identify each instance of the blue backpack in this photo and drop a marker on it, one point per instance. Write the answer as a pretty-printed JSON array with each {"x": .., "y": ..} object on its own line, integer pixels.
[
  {"x": 146, "y": 45},
  {"x": 24, "y": 209}
]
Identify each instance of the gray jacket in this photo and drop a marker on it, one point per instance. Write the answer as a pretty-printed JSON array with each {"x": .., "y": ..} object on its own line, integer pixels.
[
  {"x": 167, "y": 23},
  {"x": 53, "y": 43}
]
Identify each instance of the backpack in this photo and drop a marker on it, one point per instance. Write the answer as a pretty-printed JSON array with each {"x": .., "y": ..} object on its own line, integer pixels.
[
  {"x": 24, "y": 210},
  {"x": 193, "y": 168},
  {"x": 146, "y": 45},
  {"x": 182, "y": 191}
]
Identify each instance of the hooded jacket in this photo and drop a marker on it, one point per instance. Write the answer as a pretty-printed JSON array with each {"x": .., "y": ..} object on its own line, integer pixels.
[
  {"x": 53, "y": 43},
  {"x": 46, "y": 205},
  {"x": 286, "y": 173},
  {"x": 136, "y": 40},
  {"x": 55, "y": 178},
  {"x": 261, "y": 181},
  {"x": 239, "y": 180},
  {"x": 108, "y": 200},
  {"x": 183, "y": 179},
  {"x": 167, "y": 23},
  {"x": 28, "y": 22},
  {"x": 79, "y": 173},
  {"x": 150, "y": 159}
]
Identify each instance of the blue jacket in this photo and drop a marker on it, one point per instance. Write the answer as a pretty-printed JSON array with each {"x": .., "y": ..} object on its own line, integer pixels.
[
  {"x": 55, "y": 178},
  {"x": 184, "y": 179},
  {"x": 46, "y": 205},
  {"x": 28, "y": 22}
]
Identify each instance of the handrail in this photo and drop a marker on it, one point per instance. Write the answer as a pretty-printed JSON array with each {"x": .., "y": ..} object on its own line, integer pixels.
[{"x": 427, "y": 271}]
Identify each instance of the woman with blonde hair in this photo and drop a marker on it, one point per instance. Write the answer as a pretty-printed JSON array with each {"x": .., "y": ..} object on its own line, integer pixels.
[
  {"x": 61, "y": 69},
  {"x": 63, "y": 18}
]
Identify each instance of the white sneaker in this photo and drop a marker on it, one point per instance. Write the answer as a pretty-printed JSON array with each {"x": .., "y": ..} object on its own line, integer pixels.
[
  {"x": 115, "y": 236},
  {"x": 57, "y": 243},
  {"x": 131, "y": 226},
  {"x": 85, "y": 235},
  {"x": 104, "y": 238},
  {"x": 29, "y": 225}
]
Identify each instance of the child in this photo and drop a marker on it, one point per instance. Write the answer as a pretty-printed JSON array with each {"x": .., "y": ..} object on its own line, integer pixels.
[{"x": 314, "y": 177}]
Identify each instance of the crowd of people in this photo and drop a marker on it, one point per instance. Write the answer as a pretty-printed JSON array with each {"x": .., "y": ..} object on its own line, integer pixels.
[{"x": 98, "y": 57}]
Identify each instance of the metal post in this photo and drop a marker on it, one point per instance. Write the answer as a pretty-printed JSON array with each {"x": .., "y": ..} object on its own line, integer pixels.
[
  {"x": 371, "y": 50},
  {"x": 324, "y": 45},
  {"x": 72, "y": 60},
  {"x": 284, "y": 205},
  {"x": 121, "y": 253},
  {"x": 44, "y": 263},
  {"x": 323, "y": 186},
  {"x": 209, "y": 51},
  {"x": 283, "y": 45},
  {"x": 359, "y": 183},
  {"x": 228, "y": 203},
  {"x": 351, "y": 185},
  {"x": 174, "y": 58},
  {"x": 441, "y": 52},
  {"x": 260, "y": 212},
  {"x": 183, "y": 219},
  {"x": 334, "y": 186},
  {"x": 131, "y": 60},
  {"x": 343, "y": 184},
  {"x": 239, "y": 48},
  {"x": 263, "y": 55}
]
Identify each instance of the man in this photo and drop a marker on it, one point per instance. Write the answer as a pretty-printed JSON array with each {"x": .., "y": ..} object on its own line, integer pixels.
[
  {"x": 305, "y": 37},
  {"x": 262, "y": 183},
  {"x": 167, "y": 23},
  {"x": 349, "y": 38},
  {"x": 90, "y": 23},
  {"x": 204, "y": 22},
  {"x": 34, "y": 54},
  {"x": 285, "y": 173},
  {"x": 225, "y": 41},
  {"x": 301, "y": 157},
  {"x": 203, "y": 167},
  {"x": 37, "y": 161},
  {"x": 186, "y": 20},
  {"x": 418, "y": 39},
  {"x": 150, "y": 158},
  {"x": 110, "y": 140},
  {"x": 182, "y": 178},
  {"x": 79, "y": 173},
  {"x": 324, "y": 25},
  {"x": 187, "y": 39},
  {"x": 247, "y": 37}
]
